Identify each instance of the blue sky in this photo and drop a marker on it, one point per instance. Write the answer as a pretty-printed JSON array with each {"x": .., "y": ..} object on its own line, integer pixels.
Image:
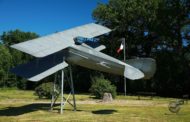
[{"x": 45, "y": 16}]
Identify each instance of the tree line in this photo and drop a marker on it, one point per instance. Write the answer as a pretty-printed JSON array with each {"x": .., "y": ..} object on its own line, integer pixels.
[{"x": 159, "y": 29}]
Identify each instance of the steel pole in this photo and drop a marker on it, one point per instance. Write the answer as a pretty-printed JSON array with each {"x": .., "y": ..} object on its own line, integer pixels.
[
  {"x": 53, "y": 93},
  {"x": 124, "y": 49},
  {"x": 72, "y": 87},
  {"x": 62, "y": 88}
]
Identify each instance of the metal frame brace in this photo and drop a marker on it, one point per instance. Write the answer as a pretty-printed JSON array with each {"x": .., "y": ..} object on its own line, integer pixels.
[{"x": 56, "y": 93}]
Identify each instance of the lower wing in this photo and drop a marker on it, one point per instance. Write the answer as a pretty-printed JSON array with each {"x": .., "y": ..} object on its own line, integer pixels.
[{"x": 40, "y": 68}]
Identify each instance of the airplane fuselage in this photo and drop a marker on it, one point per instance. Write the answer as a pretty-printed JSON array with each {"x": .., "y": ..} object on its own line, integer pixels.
[{"x": 92, "y": 59}]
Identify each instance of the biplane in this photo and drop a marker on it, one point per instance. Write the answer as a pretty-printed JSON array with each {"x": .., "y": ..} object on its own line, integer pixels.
[{"x": 56, "y": 51}]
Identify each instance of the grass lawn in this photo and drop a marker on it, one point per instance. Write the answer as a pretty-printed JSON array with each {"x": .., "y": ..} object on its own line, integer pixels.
[{"x": 21, "y": 106}]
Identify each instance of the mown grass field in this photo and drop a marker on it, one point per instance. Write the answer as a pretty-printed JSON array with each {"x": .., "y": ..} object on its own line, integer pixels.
[{"x": 21, "y": 106}]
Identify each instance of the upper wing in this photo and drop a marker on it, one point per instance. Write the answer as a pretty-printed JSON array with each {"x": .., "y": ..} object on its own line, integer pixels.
[{"x": 50, "y": 44}]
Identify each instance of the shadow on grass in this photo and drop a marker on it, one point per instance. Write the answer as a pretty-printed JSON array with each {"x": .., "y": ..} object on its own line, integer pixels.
[
  {"x": 104, "y": 111},
  {"x": 15, "y": 111},
  {"x": 94, "y": 97}
]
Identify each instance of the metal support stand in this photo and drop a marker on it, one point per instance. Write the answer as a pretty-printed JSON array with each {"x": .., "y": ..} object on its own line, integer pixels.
[
  {"x": 64, "y": 100},
  {"x": 62, "y": 88},
  {"x": 72, "y": 88},
  {"x": 53, "y": 94},
  {"x": 124, "y": 53}
]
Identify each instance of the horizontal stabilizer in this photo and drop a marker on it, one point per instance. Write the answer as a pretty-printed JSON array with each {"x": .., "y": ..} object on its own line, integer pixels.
[
  {"x": 100, "y": 48},
  {"x": 146, "y": 65},
  {"x": 40, "y": 68},
  {"x": 85, "y": 45},
  {"x": 132, "y": 73}
]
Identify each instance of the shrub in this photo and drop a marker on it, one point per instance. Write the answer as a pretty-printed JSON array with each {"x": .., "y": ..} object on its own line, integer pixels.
[
  {"x": 44, "y": 90},
  {"x": 100, "y": 86}
]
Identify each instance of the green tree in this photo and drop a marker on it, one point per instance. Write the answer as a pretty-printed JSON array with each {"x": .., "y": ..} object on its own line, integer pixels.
[
  {"x": 100, "y": 86},
  {"x": 17, "y": 57},
  {"x": 5, "y": 64},
  {"x": 167, "y": 24},
  {"x": 14, "y": 37},
  {"x": 17, "y": 36},
  {"x": 129, "y": 19},
  {"x": 172, "y": 17},
  {"x": 172, "y": 27}
]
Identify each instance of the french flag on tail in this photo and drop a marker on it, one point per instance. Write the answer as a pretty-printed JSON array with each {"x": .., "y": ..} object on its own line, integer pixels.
[{"x": 121, "y": 47}]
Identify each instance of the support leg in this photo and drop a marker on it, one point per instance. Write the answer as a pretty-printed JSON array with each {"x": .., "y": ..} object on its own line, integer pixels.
[
  {"x": 53, "y": 93},
  {"x": 72, "y": 88},
  {"x": 62, "y": 88},
  {"x": 125, "y": 89}
]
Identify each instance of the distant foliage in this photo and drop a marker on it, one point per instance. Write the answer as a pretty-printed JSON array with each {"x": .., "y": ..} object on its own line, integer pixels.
[
  {"x": 10, "y": 58},
  {"x": 17, "y": 36},
  {"x": 5, "y": 64},
  {"x": 166, "y": 23},
  {"x": 100, "y": 86}
]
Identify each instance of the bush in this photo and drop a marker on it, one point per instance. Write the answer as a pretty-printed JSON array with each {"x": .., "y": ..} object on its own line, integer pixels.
[
  {"x": 100, "y": 86},
  {"x": 44, "y": 90}
]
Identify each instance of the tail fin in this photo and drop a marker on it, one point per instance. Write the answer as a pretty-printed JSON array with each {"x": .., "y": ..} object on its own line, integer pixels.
[
  {"x": 146, "y": 65},
  {"x": 132, "y": 73}
]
